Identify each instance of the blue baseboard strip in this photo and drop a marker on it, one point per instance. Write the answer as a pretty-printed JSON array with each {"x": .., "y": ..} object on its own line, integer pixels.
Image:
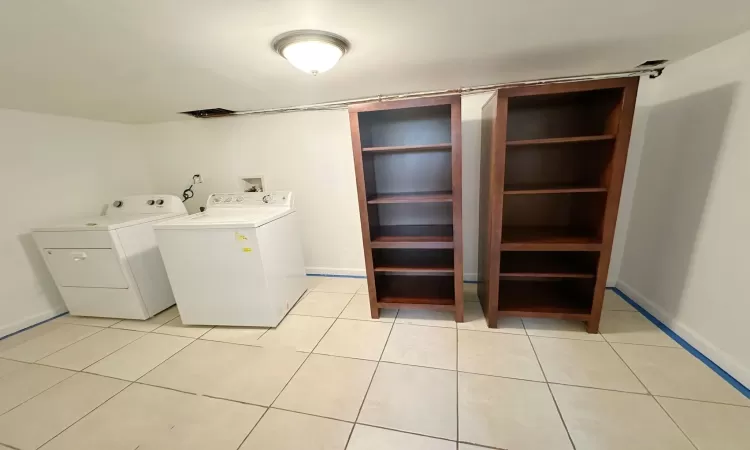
[
  {"x": 32, "y": 326},
  {"x": 692, "y": 350}
]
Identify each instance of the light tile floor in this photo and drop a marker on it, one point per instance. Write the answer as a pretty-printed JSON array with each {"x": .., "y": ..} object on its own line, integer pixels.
[{"x": 330, "y": 377}]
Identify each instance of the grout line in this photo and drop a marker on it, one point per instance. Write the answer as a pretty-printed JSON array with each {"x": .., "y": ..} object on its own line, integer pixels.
[
  {"x": 628, "y": 366},
  {"x": 10, "y": 446},
  {"x": 41, "y": 392},
  {"x": 87, "y": 414},
  {"x": 411, "y": 433},
  {"x": 685, "y": 345},
  {"x": 675, "y": 422},
  {"x": 546, "y": 382},
  {"x": 458, "y": 422},
  {"x": 170, "y": 357},
  {"x": 252, "y": 428}
]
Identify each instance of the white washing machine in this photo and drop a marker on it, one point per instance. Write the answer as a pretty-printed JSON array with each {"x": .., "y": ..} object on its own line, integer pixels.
[
  {"x": 239, "y": 263},
  {"x": 109, "y": 265}
]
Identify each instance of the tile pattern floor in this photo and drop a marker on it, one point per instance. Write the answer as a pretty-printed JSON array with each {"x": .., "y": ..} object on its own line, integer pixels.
[{"x": 330, "y": 377}]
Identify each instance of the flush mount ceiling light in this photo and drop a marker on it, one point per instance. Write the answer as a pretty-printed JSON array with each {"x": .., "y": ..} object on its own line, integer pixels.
[{"x": 311, "y": 51}]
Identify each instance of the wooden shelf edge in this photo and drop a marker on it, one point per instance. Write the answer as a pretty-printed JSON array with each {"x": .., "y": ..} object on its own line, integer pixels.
[
  {"x": 564, "y": 140},
  {"x": 408, "y": 148},
  {"x": 551, "y": 190},
  {"x": 412, "y": 244},
  {"x": 551, "y": 246},
  {"x": 572, "y": 315},
  {"x": 546, "y": 275},
  {"x": 426, "y": 270},
  {"x": 436, "y": 304},
  {"x": 411, "y": 197}
]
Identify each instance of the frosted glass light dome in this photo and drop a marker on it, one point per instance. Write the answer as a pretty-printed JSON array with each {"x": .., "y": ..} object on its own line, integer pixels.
[{"x": 311, "y": 51}]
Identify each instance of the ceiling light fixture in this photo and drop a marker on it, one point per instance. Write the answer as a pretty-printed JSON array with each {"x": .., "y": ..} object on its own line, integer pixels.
[{"x": 311, "y": 51}]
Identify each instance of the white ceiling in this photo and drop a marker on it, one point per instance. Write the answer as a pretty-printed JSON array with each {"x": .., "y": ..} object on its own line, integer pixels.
[{"x": 145, "y": 60}]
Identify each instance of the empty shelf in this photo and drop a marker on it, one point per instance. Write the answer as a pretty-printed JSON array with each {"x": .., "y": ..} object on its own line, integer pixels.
[
  {"x": 413, "y": 236},
  {"x": 409, "y": 148},
  {"x": 549, "y": 238},
  {"x": 553, "y": 299},
  {"x": 412, "y": 197},
  {"x": 527, "y": 189},
  {"x": 561, "y": 140}
]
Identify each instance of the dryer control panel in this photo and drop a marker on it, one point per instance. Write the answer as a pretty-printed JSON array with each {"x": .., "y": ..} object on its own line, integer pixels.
[
  {"x": 250, "y": 199},
  {"x": 145, "y": 204}
]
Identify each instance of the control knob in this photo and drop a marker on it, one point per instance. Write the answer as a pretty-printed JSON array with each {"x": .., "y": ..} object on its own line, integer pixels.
[
  {"x": 160, "y": 202},
  {"x": 117, "y": 203},
  {"x": 150, "y": 202}
]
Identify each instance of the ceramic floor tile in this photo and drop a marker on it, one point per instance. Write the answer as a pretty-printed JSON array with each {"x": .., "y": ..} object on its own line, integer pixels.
[
  {"x": 412, "y": 399},
  {"x": 613, "y": 302},
  {"x": 175, "y": 327},
  {"x": 421, "y": 346},
  {"x": 328, "y": 386},
  {"x": 44, "y": 416},
  {"x": 474, "y": 320},
  {"x": 557, "y": 328},
  {"x": 598, "y": 419},
  {"x": 673, "y": 372},
  {"x": 371, "y": 438},
  {"x": 150, "y": 418},
  {"x": 364, "y": 290},
  {"x": 90, "y": 321},
  {"x": 8, "y": 366},
  {"x": 284, "y": 430},
  {"x": 505, "y": 413},
  {"x": 9, "y": 342},
  {"x": 236, "y": 372},
  {"x": 26, "y": 382},
  {"x": 359, "y": 309},
  {"x": 321, "y": 304},
  {"x": 301, "y": 333},
  {"x": 138, "y": 358},
  {"x": 426, "y": 317},
  {"x": 709, "y": 425},
  {"x": 340, "y": 285},
  {"x": 355, "y": 339},
  {"x": 48, "y": 343},
  {"x": 632, "y": 328},
  {"x": 90, "y": 350},
  {"x": 235, "y": 335},
  {"x": 150, "y": 324},
  {"x": 584, "y": 363},
  {"x": 497, "y": 354}
]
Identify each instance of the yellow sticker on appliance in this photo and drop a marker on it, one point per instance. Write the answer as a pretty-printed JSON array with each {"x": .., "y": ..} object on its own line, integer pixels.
[
  {"x": 247, "y": 249},
  {"x": 240, "y": 237}
]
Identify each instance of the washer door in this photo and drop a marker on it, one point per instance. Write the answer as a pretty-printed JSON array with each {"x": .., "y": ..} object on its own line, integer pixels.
[{"x": 85, "y": 267}]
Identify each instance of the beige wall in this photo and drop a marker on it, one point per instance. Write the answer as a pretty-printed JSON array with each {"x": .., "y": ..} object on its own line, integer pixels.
[
  {"x": 688, "y": 240},
  {"x": 53, "y": 168}
]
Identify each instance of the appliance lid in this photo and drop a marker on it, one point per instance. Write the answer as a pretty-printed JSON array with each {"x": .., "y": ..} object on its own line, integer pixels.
[
  {"x": 226, "y": 218},
  {"x": 104, "y": 223}
]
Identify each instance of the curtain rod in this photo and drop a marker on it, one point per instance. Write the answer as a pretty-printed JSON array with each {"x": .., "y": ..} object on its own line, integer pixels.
[{"x": 651, "y": 71}]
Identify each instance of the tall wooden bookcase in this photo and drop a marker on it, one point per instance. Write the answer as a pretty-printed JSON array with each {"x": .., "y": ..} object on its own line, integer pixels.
[
  {"x": 552, "y": 163},
  {"x": 407, "y": 161}
]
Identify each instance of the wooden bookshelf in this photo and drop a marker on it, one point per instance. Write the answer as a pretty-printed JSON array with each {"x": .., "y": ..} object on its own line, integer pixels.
[
  {"x": 407, "y": 160},
  {"x": 552, "y": 163}
]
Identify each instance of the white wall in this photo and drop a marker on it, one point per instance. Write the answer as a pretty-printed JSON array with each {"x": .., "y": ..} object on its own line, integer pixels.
[
  {"x": 688, "y": 241},
  {"x": 309, "y": 153},
  {"x": 53, "y": 168}
]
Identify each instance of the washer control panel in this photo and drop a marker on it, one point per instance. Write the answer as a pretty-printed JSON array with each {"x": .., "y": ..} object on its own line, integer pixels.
[
  {"x": 250, "y": 199},
  {"x": 146, "y": 204}
]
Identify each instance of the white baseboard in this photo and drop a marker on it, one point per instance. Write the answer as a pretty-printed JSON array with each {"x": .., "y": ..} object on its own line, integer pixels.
[
  {"x": 727, "y": 362},
  {"x": 471, "y": 277},
  {"x": 26, "y": 322}
]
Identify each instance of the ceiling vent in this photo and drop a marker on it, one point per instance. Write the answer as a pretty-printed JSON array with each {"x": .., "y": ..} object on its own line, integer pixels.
[
  {"x": 653, "y": 63},
  {"x": 209, "y": 113}
]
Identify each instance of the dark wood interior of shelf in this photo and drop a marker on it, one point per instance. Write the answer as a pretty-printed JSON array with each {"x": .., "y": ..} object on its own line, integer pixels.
[
  {"x": 412, "y": 236},
  {"x": 414, "y": 262},
  {"x": 411, "y": 197},
  {"x": 559, "y": 298},
  {"x": 562, "y": 140},
  {"x": 408, "y": 148},
  {"x": 584, "y": 113},
  {"x": 420, "y": 126},
  {"x": 400, "y": 291},
  {"x": 520, "y": 264},
  {"x": 581, "y": 164},
  {"x": 550, "y": 188},
  {"x": 549, "y": 238},
  {"x": 580, "y": 213},
  {"x": 417, "y": 172}
]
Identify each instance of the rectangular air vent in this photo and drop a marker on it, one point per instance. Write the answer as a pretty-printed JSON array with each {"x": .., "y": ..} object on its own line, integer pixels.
[{"x": 209, "y": 113}]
